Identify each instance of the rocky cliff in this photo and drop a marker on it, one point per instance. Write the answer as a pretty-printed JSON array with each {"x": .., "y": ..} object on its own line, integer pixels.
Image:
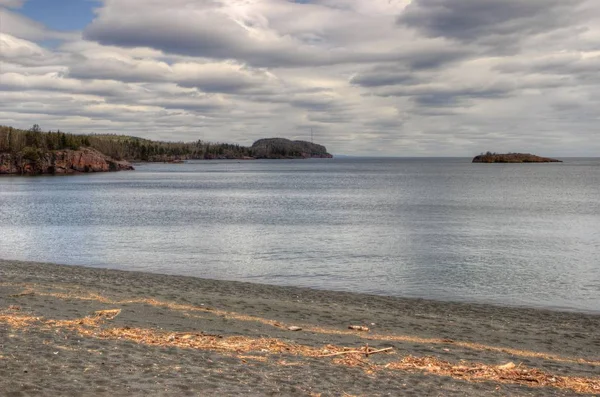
[
  {"x": 512, "y": 158},
  {"x": 36, "y": 162},
  {"x": 281, "y": 148}
]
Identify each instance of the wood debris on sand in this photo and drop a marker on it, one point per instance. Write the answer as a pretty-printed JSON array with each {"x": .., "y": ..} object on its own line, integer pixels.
[
  {"x": 507, "y": 373},
  {"x": 358, "y": 328},
  {"x": 246, "y": 347},
  {"x": 188, "y": 308}
]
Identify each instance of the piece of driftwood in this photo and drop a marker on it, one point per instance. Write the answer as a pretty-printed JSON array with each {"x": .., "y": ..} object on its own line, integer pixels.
[
  {"x": 366, "y": 352},
  {"x": 342, "y": 353},
  {"x": 24, "y": 293},
  {"x": 358, "y": 328},
  {"x": 387, "y": 349},
  {"x": 506, "y": 366}
]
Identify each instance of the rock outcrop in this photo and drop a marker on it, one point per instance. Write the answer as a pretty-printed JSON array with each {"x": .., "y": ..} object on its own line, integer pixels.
[
  {"x": 35, "y": 162},
  {"x": 281, "y": 148},
  {"x": 512, "y": 158}
]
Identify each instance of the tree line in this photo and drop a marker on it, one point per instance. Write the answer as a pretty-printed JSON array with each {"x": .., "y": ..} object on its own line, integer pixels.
[{"x": 120, "y": 147}]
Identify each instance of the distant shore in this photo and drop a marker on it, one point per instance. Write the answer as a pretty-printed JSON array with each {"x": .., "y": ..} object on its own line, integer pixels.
[
  {"x": 34, "y": 152},
  {"x": 69, "y": 330}
]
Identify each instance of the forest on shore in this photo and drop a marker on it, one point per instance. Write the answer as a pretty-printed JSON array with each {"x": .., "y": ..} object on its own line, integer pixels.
[
  {"x": 120, "y": 147},
  {"x": 33, "y": 143}
]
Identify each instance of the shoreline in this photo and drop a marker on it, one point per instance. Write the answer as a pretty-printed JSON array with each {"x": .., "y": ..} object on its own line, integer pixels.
[
  {"x": 293, "y": 290},
  {"x": 50, "y": 316},
  {"x": 365, "y": 295}
]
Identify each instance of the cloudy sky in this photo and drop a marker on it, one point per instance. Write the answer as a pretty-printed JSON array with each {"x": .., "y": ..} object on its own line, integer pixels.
[{"x": 370, "y": 77}]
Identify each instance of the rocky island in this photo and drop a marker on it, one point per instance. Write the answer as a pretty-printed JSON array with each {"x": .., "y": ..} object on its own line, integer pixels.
[{"x": 512, "y": 158}]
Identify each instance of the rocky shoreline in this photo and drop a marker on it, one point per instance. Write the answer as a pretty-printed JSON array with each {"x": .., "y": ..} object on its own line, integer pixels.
[
  {"x": 59, "y": 162},
  {"x": 33, "y": 152}
]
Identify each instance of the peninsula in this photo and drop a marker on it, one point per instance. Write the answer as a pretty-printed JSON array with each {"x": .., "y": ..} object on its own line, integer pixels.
[
  {"x": 33, "y": 152},
  {"x": 280, "y": 148},
  {"x": 512, "y": 158}
]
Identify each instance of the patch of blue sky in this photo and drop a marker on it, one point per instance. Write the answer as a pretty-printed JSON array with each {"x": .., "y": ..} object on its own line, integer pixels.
[{"x": 62, "y": 15}]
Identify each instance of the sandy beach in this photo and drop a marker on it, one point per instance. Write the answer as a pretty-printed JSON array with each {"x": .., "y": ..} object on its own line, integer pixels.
[{"x": 71, "y": 331}]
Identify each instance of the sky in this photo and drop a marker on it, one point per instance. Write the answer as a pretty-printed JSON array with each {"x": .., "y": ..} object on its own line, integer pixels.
[{"x": 368, "y": 77}]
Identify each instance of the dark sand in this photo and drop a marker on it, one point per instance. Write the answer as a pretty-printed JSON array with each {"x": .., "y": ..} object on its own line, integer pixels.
[{"x": 173, "y": 336}]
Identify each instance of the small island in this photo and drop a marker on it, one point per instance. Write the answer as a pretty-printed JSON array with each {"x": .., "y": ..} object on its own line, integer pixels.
[
  {"x": 490, "y": 157},
  {"x": 34, "y": 152}
]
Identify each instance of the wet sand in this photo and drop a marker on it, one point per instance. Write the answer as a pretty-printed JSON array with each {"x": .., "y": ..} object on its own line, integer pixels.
[{"x": 71, "y": 331}]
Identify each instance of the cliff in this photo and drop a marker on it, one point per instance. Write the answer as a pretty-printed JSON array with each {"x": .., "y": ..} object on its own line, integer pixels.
[
  {"x": 512, "y": 158},
  {"x": 281, "y": 148},
  {"x": 36, "y": 162}
]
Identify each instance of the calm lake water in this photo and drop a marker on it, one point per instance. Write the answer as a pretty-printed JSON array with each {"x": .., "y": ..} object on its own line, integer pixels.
[{"x": 445, "y": 229}]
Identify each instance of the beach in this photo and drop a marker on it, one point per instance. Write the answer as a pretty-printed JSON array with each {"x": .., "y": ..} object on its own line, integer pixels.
[{"x": 70, "y": 330}]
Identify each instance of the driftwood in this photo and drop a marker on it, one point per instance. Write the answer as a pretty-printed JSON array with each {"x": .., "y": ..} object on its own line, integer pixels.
[
  {"x": 24, "y": 293},
  {"x": 342, "y": 353},
  {"x": 366, "y": 352},
  {"x": 507, "y": 366},
  {"x": 358, "y": 328},
  {"x": 387, "y": 349}
]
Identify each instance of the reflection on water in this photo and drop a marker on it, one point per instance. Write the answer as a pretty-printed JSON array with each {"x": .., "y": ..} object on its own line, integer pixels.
[{"x": 434, "y": 228}]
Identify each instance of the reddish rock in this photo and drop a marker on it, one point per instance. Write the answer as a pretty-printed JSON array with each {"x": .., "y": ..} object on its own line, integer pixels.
[{"x": 61, "y": 162}]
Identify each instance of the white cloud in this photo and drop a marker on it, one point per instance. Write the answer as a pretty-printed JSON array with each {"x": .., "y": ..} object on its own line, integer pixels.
[
  {"x": 13, "y": 47},
  {"x": 12, "y": 3}
]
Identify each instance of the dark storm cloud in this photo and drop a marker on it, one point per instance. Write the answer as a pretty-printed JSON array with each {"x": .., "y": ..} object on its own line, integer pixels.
[
  {"x": 213, "y": 35},
  {"x": 206, "y": 77},
  {"x": 562, "y": 64},
  {"x": 222, "y": 85},
  {"x": 112, "y": 69},
  {"x": 214, "y": 38},
  {"x": 188, "y": 105},
  {"x": 385, "y": 124},
  {"x": 314, "y": 105},
  {"x": 64, "y": 111},
  {"x": 19, "y": 83},
  {"x": 405, "y": 71},
  {"x": 438, "y": 58},
  {"x": 492, "y": 21},
  {"x": 435, "y": 96},
  {"x": 328, "y": 118},
  {"x": 225, "y": 78},
  {"x": 210, "y": 36},
  {"x": 379, "y": 78}
]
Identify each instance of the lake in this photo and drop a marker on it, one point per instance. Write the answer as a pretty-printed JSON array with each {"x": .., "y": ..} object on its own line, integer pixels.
[{"x": 444, "y": 229}]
